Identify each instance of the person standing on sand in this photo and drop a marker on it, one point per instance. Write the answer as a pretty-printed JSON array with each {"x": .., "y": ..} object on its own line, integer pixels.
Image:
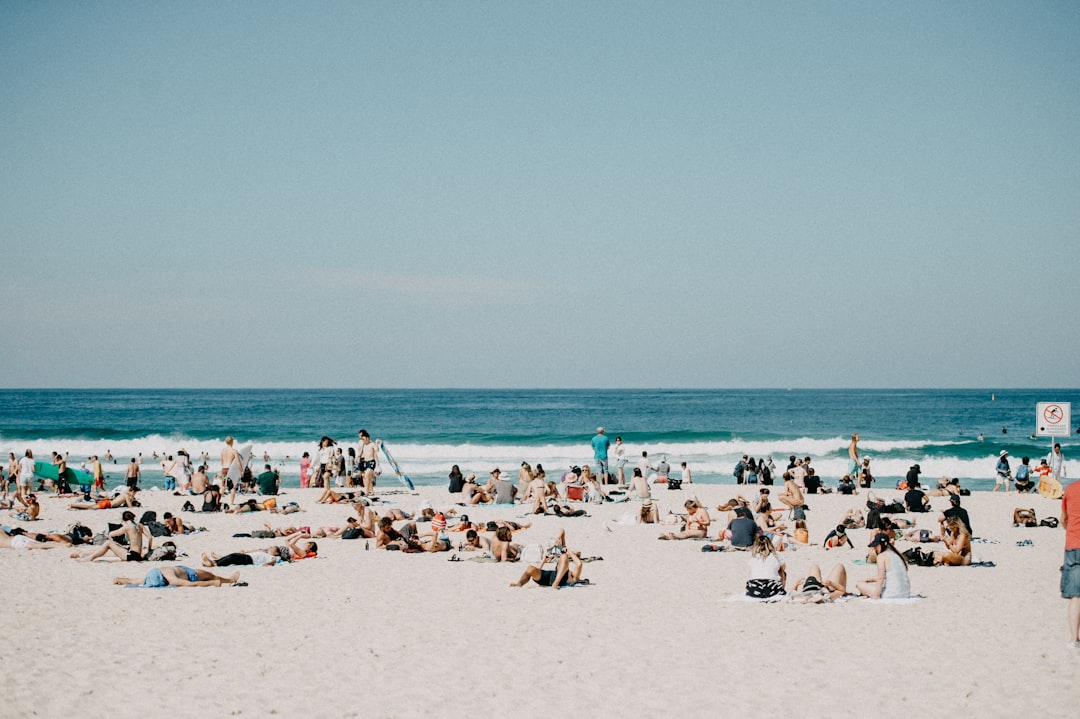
[
  {"x": 600, "y": 445},
  {"x": 369, "y": 461},
  {"x": 853, "y": 456},
  {"x": 1070, "y": 569},
  {"x": 132, "y": 475},
  {"x": 1056, "y": 460},
  {"x": 99, "y": 474},
  {"x": 620, "y": 460},
  {"x": 1004, "y": 474},
  {"x": 228, "y": 455}
]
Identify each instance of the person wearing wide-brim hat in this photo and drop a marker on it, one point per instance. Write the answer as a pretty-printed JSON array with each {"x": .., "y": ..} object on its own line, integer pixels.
[{"x": 1004, "y": 474}]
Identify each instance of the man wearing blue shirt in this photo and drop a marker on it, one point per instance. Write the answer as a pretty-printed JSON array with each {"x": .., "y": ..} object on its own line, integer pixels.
[{"x": 600, "y": 446}]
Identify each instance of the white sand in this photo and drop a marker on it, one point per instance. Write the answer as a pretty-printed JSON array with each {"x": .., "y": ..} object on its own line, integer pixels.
[{"x": 384, "y": 634}]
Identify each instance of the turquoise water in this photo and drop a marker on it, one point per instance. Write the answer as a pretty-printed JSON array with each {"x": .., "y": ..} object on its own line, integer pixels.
[{"x": 429, "y": 430}]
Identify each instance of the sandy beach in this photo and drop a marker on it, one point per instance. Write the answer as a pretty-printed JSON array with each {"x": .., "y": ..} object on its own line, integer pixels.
[{"x": 662, "y": 630}]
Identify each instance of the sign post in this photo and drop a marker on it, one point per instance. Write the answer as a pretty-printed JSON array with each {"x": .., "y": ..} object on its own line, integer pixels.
[{"x": 1053, "y": 419}]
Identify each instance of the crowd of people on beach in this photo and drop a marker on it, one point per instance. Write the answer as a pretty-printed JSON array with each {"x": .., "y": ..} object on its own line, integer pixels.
[{"x": 766, "y": 527}]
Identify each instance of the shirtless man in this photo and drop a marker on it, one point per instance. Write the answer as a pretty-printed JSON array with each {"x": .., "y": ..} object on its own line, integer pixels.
[
  {"x": 228, "y": 455},
  {"x": 132, "y": 474},
  {"x": 133, "y": 552},
  {"x": 179, "y": 577},
  {"x": 199, "y": 481},
  {"x": 368, "y": 461},
  {"x": 853, "y": 456}
]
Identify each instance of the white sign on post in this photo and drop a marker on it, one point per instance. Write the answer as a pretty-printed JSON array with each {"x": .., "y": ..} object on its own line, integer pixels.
[{"x": 1053, "y": 419}]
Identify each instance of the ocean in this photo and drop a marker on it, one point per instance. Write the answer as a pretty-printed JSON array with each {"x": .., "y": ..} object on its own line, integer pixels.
[{"x": 956, "y": 433}]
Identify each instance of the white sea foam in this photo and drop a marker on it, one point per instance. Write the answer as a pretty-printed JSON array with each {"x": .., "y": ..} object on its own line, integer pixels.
[{"x": 705, "y": 459}]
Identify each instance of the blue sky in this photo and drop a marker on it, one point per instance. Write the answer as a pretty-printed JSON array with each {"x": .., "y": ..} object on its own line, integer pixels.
[{"x": 539, "y": 194}]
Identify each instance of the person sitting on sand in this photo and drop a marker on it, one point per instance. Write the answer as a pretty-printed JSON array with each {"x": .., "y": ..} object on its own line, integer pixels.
[
  {"x": 915, "y": 499},
  {"x": 768, "y": 576},
  {"x": 180, "y": 576},
  {"x": 502, "y": 548},
  {"x": 697, "y": 522},
  {"x": 837, "y": 538},
  {"x": 741, "y": 530},
  {"x": 1024, "y": 483},
  {"x": 387, "y": 537},
  {"x": 133, "y": 552},
  {"x": 568, "y": 567},
  {"x": 792, "y": 496},
  {"x": 31, "y": 508},
  {"x": 853, "y": 519},
  {"x": 768, "y": 524},
  {"x": 639, "y": 486},
  {"x": 891, "y": 581},
  {"x": 957, "y": 544},
  {"x": 125, "y": 497},
  {"x": 955, "y": 510},
  {"x": 830, "y": 589},
  {"x": 472, "y": 493},
  {"x": 536, "y": 492}
]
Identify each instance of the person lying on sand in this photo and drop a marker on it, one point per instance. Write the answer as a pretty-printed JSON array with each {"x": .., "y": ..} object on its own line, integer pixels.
[
  {"x": 178, "y": 577},
  {"x": 568, "y": 567},
  {"x": 812, "y": 588},
  {"x": 18, "y": 539},
  {"x": 124, "y": 498}
]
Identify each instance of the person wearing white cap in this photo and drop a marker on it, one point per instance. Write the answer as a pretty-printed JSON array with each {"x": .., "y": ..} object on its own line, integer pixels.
[{"x": 1004, "y": 474}]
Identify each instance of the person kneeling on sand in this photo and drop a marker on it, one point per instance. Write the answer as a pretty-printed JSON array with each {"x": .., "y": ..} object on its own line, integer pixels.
[{"x": 179, "y": 577}]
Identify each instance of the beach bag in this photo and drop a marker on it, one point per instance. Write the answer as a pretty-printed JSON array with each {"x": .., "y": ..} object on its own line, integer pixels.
[
  {"x": 163, "y": 554},
  {"x": 763, "y": 588},
  {"x": 673, "y": 483},
  {"x": 873, "y": 518},
  {"x": 798, "y": 513},
  {"x": 893, "y": 508},
  {"x": 919, "y": 557},
  {"x": 157, "y": 529},
  {"x": 1051, "y": 522}
]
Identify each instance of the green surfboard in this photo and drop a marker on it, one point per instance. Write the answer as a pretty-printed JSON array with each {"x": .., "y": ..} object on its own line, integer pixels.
[{"x": 74, "y": 476}]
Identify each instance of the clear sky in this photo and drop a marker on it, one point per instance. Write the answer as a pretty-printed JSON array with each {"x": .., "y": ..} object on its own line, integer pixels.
[{"x": 532, "y": 194}]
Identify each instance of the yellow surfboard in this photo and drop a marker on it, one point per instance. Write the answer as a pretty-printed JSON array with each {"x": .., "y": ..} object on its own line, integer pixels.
[{"x": 1050, "y": 488}]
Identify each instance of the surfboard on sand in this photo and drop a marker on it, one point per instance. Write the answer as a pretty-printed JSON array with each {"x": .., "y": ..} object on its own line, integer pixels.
[
  {"x": 237, "y": 469},
  {"x": 74, "y": 476},
  {"x": 402, "y": 477},
  {"x": 1050, "y": 488}
]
